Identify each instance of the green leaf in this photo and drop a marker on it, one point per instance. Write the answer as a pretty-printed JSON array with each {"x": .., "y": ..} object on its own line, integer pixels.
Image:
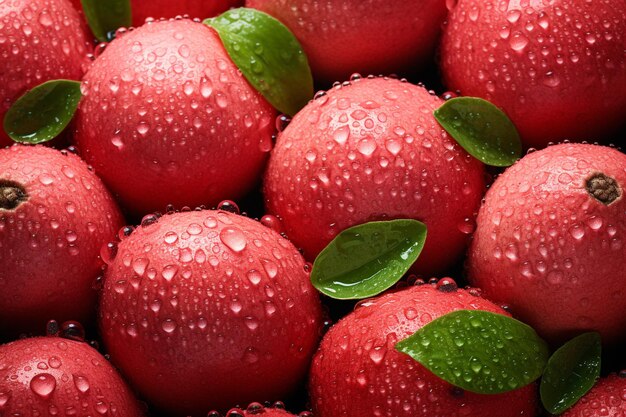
[
  {"x": 268, "y": 55},
  {"x": 43, "y": 112},
  {"x": 482, "y": 129},
  {"x": 367, "y": 259},
  {"x": 479, "y": 351},
  {"x": 106, "y": 16},
  {"x": 571, "y": 372}
]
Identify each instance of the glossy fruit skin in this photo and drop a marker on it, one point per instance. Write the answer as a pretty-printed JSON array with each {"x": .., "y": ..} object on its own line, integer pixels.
[
  {"x": 357, "y": 371},
  {"x": 50, "y": 243},
  {"x": 557, "y": 68},
  {"x": 157, "y": 9},
  {"x": 256, "y": 409},
  {"x": 549, "y": 250},
  {"x": 373, "y": 151},
  {"x": 52, "y": 375},
  {"x": 41, "y": 40},
  {"x": 605, "y": 399},
  {"x": 167, "y": 118},
  {"x": 345, "y": 36},
  {"x": 206, "y": 309}
]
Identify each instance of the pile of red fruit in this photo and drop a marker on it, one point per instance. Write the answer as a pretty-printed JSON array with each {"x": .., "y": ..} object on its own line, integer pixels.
[{"x": 161, "y": 254}]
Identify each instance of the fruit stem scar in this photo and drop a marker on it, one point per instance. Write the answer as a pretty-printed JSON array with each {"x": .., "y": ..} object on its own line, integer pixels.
[
  {"x": 603, "y": 188},
  {"x": 12, "y": 195}
]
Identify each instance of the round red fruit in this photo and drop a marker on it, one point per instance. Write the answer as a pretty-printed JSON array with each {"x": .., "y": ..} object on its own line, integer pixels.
[
  {"x": 371, "y": 151},
  {"x": 550, "y": 241},
  {"x": 55, "y": 215},
  {"x": 371, "y": 37},
  {"x": 206, "y": 309},
  {"x": 167, "y": 118},
  {"x": 557, "y": 68},
  {"x": 256, "y": 409},
  {"x": 40, "y": 40},
  {"x": 51, "y": 375},
  {"x": 358, "y": 372}
]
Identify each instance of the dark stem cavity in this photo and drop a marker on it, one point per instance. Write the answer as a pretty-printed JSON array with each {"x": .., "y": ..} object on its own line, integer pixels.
[
  {"x": 603, "y": 188},
  {"x": 12, "y": 195}
]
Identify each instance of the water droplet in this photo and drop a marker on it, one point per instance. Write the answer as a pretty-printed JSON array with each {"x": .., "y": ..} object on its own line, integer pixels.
[
  {"x": 81, "y": 383},
  {"x": 43, "y": 385},
  {"x": 233, "y": 238}
]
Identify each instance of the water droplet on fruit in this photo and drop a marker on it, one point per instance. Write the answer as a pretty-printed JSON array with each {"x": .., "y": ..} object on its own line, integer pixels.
[
  {"x": 229, "y": 206},
  {"x": 233, "y": 238},
  {"x": 43, "y": 385},
  {"x": 81, "y": 383}
]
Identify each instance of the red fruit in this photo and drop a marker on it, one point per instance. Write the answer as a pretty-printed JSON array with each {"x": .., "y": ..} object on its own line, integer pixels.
[
  {"x": 167, "y": 118},
  {"x": 371, "y": 151},
  {"x": 40, "y": 40},
  {"x": 207, "y": 309},
  {"x": 606, "y": 399},
  {"x": 357, "y": 371},
  {"x": 55, "y": 215},
  {"x": 371, "y": 37},
  {"x": 256, "y": 409},
  {"x": 557, "y": 67},
  {"x": 143, "y": 9},
  {"x": 51, "y": 375},
  {"x": 550, "y": 241}
]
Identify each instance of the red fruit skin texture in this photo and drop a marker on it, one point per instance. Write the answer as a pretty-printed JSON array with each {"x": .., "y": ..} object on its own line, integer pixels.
[
  {"x": 206, "y": 309},
  {"x": 256, "y": 409},
  {"x": 547, "y": 248},
  {"x": 367, "y": 36},
  {"x": 50, "y": 243},
  {"x": 167, "y": 118},
  {"x": 40, "y": 40},
  {"x": 51, "y": 375},
  {"x": 357, "y": 371},
  {"x": 556, "y": 67},
  {"x": 373, "y": 151},
  {"x": 606, "y": 399},
  {"x": 157, "y": 9}
]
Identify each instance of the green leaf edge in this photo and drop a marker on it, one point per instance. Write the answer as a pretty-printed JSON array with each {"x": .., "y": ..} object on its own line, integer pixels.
[
  {"x": 95, "y": 24},
  {"x": 320, "y": 257},
  {"x": 597, "y": 344},
  {"x": 276, "y": 103},
  {"x": 18, "y": 107},
  {"x": 454, "y": 133},
  {"x": 400, "y": 348}
]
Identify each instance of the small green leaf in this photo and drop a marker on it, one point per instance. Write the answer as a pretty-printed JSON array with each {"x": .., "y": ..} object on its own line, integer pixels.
[
  {"x": 106, "y": 16},
  {"x": 268, "y": 55},
  {"x": 571, "y": 372},
  {"x": 43, "y": 112},
  {"x": 482, "y": 129},
  {"x": 367, "y": 259},
  {"x": 479, "y": 351}
]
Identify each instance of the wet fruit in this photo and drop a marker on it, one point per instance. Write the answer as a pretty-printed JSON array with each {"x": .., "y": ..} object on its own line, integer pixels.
[
  {"x": 550, "y": 243},
  {"x": 344, "y": 37},
  {"x": 606, "y": 399},
  {"x": 357, "y": 372},
  {"x": 368, "y": 151},
  {"x": 40, "y": 40},
  {"x": 52, "y": 375},
  {"x": 256, "y": 409},
  {"x": 206, "y": 309},
  {"x": 167, "y": 118},
  {"x": 157, "y": 9},
  {"x": 55, "y": 215},
  {"x": 557, "y": 68}
]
